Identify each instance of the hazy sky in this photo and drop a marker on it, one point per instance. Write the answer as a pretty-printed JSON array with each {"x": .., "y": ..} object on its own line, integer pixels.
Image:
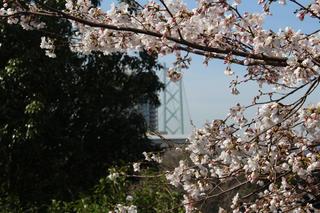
[{"x": 207, "y": 88}]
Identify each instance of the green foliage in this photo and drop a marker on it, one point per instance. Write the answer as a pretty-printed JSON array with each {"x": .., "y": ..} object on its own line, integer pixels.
[
  {"x": 155, "y": 195},
  {"x": 150, "y": 194},
  {"x": 34, "y": 108},
  {"x": 64, "y": 121}
]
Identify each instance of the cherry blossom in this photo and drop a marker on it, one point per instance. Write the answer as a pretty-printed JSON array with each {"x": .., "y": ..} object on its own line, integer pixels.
[
  {"x": 276, "y": 151},
  {"x": 124, "y": 209},
  {"x": 136, "y": 167},
  {"x": 47, "y": 44}
]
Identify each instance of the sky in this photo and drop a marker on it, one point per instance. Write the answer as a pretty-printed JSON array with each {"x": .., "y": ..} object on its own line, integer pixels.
[{"x": 207, "y": 93}]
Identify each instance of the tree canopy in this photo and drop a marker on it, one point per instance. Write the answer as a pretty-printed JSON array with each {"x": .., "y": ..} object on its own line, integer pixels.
[{"x": 64, "y": 121}]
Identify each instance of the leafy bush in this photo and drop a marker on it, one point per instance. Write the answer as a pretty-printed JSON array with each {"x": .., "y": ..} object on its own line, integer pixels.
[{"x": 149, "y": 194}]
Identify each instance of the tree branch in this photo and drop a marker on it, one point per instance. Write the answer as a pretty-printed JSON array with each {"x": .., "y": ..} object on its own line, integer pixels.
[{"x": 265, "y": 60}]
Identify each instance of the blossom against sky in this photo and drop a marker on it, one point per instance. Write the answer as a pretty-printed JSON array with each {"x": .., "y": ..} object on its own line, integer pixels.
[{"x": 207, "y": 87}]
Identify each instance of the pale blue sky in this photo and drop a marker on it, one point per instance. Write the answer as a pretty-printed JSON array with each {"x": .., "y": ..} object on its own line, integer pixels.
[{"x": 207, "y": 87}]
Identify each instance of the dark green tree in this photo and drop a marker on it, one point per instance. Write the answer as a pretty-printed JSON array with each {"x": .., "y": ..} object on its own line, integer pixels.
[{"x": 63, "y": 121}]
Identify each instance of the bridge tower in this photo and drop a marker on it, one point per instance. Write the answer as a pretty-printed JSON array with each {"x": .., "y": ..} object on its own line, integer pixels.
[{"x": 172, "y": 103}]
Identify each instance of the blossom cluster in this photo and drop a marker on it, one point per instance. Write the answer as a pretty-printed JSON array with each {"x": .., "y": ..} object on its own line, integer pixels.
[
  {"x": 214, "y": 29},
  {"x": 48, "y": 45},
  {"x": 272, "y": 153},
  {"x": 214, "y": 26},
  {"x": 124, "y": 209},
  {"x": 9, "y": 10}
]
